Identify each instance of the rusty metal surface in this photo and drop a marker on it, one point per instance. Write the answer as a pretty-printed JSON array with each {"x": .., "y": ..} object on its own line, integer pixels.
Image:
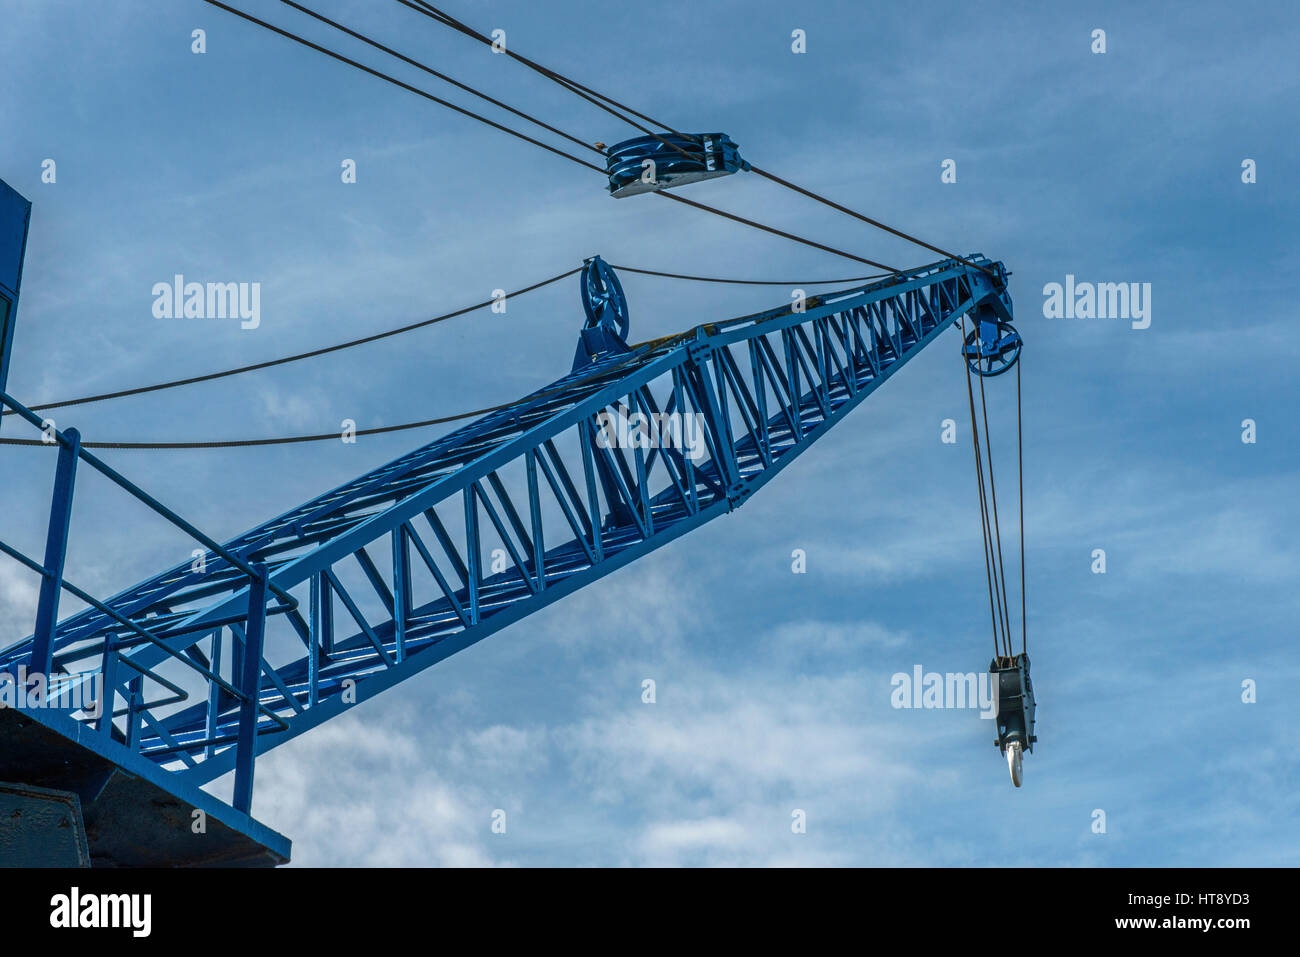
[{"x": 41, "y": 827}]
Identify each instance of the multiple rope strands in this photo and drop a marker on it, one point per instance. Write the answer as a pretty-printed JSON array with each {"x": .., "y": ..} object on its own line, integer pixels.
[
  {"x": 396, "y": 82},
  {"x": 604, "y": 102},
  {"x": 624, "y": 113},
  {"x": 990, "y": 527},
  {"x": 498, "y": 126},
  {"x": 1020, "y": 474}
]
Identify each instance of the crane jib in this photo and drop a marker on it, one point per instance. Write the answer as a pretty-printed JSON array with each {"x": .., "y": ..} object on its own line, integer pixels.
[{"x": 420, "y": 558}]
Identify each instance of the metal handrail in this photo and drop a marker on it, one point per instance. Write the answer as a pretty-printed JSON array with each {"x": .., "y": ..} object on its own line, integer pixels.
[{"x": 136, "y": 492}]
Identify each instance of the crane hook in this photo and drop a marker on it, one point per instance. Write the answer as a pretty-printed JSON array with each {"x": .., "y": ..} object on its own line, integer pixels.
[
  {"x": 1014, "y": 694},
  {"x": 1014, "y": 762}
]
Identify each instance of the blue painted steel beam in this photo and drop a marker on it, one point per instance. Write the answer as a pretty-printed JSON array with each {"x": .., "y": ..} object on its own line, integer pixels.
[
  {"x": 250, "y": 684},
  {"x": 404, "y": 566},
  {"x": 15, "y": 214},
  {"x": 56, "y": 548}
]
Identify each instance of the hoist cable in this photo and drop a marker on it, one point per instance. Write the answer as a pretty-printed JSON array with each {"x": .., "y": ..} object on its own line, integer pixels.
[
  {"x": 995, "y": 565},
  {"x": 1020, "y": 470},
  {"x": 979, "y": 481},
  {"x": 997, "y": 527}
]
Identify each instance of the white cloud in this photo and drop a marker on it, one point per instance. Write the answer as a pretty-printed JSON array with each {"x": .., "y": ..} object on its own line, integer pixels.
[{"x": 359, "y": 793}]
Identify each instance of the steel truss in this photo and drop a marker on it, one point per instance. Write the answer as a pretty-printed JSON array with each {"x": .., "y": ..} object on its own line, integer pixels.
[{"x": 418, "y": 559}]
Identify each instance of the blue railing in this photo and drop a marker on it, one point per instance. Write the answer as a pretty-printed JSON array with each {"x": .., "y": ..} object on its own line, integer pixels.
[{"x": 35, "y": 655}]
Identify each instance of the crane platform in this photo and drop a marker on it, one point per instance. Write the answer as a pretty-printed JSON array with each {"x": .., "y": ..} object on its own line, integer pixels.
[{"x": 134, "y": 813}]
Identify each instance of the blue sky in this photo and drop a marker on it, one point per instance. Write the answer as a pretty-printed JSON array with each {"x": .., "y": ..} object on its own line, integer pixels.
[{"x": 773, "y": 688}]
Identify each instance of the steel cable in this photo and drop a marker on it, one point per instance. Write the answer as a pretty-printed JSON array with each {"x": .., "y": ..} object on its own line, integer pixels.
[{"x": 588, "y": 93}]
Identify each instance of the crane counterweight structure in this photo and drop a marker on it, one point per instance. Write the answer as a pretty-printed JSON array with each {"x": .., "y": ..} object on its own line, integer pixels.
[{"x": 384, "y": 576}]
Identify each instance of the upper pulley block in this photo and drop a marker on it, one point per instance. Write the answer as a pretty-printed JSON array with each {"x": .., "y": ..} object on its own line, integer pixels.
[{"x": 666, "y": 160}]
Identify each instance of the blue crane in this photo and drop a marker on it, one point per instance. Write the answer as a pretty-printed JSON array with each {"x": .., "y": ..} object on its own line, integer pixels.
[
  {"x": 335, "y": 601},
  {"x": 193, "y": 673}
]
